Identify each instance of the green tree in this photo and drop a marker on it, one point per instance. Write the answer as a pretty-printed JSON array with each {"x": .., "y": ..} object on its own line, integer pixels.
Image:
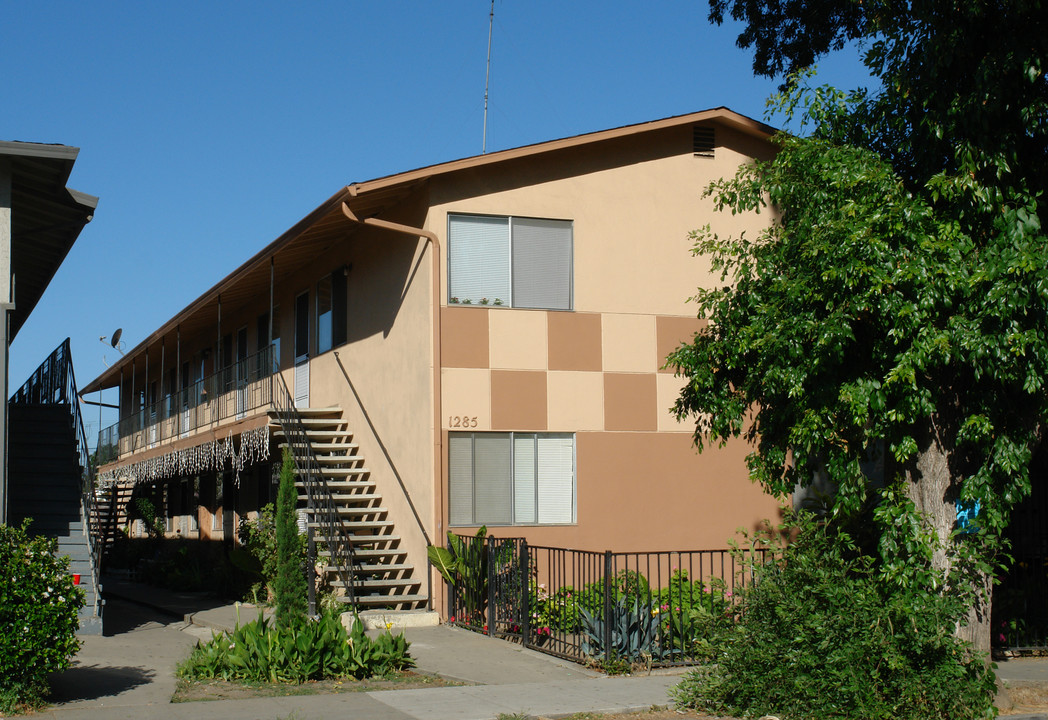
[
  {"x": 956, "y": 88},
  {"x": 900, "y": 302},
  {"x": 863, "y": 323},
  {"x": 289, "y": 587}
]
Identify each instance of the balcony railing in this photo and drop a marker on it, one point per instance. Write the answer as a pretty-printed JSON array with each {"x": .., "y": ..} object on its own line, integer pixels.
[{"x": 232, "y": 393}]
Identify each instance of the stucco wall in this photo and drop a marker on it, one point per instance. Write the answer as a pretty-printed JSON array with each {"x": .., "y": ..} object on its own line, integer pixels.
[{"x": 597, "y": 371}]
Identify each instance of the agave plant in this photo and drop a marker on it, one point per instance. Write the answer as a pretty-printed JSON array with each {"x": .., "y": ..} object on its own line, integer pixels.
[{"x": 634, "y": 632}]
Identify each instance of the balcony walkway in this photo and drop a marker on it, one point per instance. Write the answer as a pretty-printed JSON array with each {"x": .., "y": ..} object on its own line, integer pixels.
[{"x": 193, "y": 430}]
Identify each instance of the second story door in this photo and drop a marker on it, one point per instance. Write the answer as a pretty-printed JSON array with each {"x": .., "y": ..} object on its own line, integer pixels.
[{"x": 302, "y": 350}]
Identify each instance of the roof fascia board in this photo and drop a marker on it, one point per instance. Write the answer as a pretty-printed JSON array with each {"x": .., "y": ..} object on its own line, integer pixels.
[
  {"x": 38, "y": 150},
  {"x": 84, "y": 200}
]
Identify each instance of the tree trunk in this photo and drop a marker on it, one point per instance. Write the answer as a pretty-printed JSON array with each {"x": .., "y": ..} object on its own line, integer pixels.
[{"x": 929, "y": 488}]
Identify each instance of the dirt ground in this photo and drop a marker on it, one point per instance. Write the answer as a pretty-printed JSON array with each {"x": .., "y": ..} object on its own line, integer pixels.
[
  {"x": 203, "y": 690},
  {"x": 652, "y": 714}
]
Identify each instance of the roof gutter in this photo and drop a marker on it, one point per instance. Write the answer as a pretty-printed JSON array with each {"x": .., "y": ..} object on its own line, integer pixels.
[{"x": 438, "y": 465}]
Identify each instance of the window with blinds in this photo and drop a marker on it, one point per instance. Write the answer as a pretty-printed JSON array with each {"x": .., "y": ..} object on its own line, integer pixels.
[
  {"x": 511, "y": 478},
  {"x": 509, "y": 261}
]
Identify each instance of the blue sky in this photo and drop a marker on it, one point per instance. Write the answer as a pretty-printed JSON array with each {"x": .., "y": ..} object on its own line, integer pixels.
[{"x": 208, "y": 128}]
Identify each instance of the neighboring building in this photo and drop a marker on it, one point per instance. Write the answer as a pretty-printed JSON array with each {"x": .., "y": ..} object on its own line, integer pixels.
[
  {"x": 491, "y": 331},
  {"x": 44, "y": 464},
  {"x": 40, "y": 219}
]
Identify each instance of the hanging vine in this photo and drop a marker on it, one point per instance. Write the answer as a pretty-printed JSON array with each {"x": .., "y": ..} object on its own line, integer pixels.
[{"x": 210, "y": 455}]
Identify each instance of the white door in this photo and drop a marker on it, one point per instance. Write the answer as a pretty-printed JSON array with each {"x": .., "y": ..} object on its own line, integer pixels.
[{"x": 302, "y": 350}]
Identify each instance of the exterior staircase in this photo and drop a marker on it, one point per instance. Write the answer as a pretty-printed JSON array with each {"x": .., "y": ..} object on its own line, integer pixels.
[
  {"x": 111, "y": 514},
  {"x": 381, "y": 577},
  {"x": 44, "y": 477}
]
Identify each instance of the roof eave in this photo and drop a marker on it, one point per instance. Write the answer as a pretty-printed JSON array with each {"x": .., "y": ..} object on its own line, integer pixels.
[{"x": 112, "y": 373}]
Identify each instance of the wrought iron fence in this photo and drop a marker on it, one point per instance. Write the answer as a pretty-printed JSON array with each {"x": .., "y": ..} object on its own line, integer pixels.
[
  {"x": 654, "y": 608},
  {"x": 232, "y": 392},
  {"x": 54, "y": 383},
  {"x": 1019, "y": 613}
]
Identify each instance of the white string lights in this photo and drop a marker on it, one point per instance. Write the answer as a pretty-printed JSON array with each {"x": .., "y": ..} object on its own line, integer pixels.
[{"x": 210, "y": 455}]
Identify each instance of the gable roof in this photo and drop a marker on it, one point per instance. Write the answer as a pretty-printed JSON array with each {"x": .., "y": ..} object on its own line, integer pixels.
[{"x": 369, "y": 199}]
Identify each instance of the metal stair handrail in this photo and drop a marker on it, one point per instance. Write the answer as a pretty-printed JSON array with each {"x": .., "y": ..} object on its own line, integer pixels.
[
  {"x": 54, "y": 383},
  {"x": 319, "y": 500}
]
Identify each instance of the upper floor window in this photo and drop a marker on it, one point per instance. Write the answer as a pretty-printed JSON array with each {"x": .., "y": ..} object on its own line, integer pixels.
[
  {"x": 331, "y": 311},
  {"x": 509, "y": 261}
]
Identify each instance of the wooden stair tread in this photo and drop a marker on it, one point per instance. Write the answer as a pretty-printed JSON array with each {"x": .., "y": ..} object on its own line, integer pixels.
[
  {"x": 387, "y": 582},
  {"x": 386, "y": 599},
  {"x": 375, "y": 568}
]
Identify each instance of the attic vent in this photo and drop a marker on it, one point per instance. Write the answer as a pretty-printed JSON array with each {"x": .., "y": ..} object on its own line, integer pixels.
[{"x": 702, "y": 141}]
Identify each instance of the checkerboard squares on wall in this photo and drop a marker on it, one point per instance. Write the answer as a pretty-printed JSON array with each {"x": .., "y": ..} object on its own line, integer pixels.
[{"x": 628, "y": 343}]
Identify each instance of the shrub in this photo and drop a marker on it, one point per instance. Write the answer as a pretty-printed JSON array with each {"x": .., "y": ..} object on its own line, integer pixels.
[
  {"x": 302, "y": 650},
  {"x": 38, "y": 616},
  {"x": 143, "y": 509},
  {"x": 464, "y": 566},
  {"x": 259, "y": 537},
  {"x": 821, "y": 634},
  {"x": 289, "y": 587}
]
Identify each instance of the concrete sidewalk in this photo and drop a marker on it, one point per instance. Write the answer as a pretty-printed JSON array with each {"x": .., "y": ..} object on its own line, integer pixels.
[{"x": 129, "y": 672}]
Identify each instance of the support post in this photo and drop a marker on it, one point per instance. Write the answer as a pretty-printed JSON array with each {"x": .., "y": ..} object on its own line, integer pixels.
[
  {"x": 311, "y": 571},
  {"x": 607, "y": 607},
  {"x": 525, "y": 593},
  {"x": 6, "y": 300},
  {"x": 491, "y": 584}
]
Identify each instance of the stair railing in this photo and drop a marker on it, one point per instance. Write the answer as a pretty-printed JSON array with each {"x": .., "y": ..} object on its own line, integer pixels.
[
  {"x": 319, "y": 500},
  {"x": 54, "y": 383}
]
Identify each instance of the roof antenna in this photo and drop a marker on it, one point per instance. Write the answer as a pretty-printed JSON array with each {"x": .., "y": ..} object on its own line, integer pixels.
[{"x": 487, "y": 75}]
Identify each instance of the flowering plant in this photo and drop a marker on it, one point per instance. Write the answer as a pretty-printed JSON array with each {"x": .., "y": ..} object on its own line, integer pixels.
[{"x": 38, "y": 616}]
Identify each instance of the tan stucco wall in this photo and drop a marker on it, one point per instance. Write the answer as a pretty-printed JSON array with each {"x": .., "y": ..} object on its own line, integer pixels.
[
  {"x": 632, "y": 203},
  {"x": 597, "y": 371},
  {"x": 647, "y": 492},
  {"x": 388, "y": 359}
]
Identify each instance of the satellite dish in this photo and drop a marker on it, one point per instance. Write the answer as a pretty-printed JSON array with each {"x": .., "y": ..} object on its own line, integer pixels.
[{"x": 116, "y": 337}]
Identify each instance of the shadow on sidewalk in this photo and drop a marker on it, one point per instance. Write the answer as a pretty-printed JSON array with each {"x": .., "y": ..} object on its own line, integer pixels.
[{"x": 92, "y": 682}]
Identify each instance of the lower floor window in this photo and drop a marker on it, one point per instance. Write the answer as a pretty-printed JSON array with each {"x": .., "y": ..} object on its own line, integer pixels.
[{"x": 511, "y": 478}]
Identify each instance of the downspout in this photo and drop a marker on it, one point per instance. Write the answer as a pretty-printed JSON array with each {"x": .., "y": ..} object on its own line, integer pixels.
[{"x": 438, "y": 464}]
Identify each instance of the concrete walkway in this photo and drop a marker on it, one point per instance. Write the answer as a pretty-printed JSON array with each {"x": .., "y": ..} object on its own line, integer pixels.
[{"x": 129, "y": 672}]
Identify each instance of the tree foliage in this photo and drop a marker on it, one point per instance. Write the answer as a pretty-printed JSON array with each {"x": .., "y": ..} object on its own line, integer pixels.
[
  {"x": 862, "y": 319},
  {"x": 958, "y": 90},
  {"x": 898, "y": 303}
]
